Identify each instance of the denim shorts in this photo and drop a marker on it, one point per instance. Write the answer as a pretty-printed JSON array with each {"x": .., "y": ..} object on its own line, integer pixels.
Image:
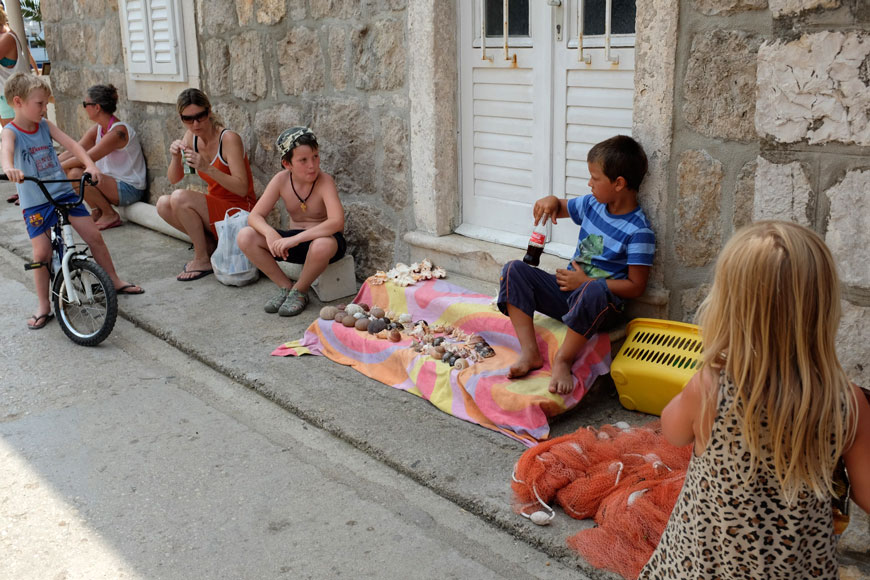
[
  {"x": 41, "y": 218},
  {"x": 6, "y": 110},
  {"x": 127, "y": 194}
]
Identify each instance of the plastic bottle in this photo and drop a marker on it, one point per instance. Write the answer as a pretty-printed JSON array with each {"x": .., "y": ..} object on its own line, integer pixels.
[{"x": 536, "y": 243}]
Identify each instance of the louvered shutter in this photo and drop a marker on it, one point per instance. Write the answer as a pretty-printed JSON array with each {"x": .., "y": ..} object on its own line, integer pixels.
[
  {"x": 138, "y": 36},
  {"x": 164, "y": 38},
  {"x": 154, "y": 46}
]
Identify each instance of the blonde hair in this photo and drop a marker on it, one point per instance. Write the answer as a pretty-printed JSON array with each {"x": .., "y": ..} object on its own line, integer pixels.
[
  {"x": 22, "y": 85},
  {"x": 3, "y": 18},
  {"x": 770, "y": 321}
]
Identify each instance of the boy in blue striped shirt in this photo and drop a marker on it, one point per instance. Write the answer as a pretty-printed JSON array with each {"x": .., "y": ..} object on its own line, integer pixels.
[{"x": 612, "y": 261}]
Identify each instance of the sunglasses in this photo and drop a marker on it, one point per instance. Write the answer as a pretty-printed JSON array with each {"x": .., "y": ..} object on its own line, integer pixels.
[
  {"x": 191, "y": 119},
  {"x": 86, "y": 104}
]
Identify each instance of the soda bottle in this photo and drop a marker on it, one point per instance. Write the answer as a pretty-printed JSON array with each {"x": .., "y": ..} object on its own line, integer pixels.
[
  {"x": 536, "y": 243},
  {"x": 188, "y": 169}
]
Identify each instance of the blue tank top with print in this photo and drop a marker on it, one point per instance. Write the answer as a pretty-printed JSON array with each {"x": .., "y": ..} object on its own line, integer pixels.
[{"x": 35, "y": 157}]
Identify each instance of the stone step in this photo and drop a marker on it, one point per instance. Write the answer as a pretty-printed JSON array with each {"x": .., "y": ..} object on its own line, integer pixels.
[{"x": 483, "y": 261}]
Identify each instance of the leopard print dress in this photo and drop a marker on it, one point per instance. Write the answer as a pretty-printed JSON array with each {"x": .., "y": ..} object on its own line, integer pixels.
[{"x": 722, "y": 529}]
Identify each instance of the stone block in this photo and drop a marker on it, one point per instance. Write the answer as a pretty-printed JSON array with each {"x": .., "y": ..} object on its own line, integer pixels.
[
  {"x": 394, "y": 136},
  {"x": 300, "y": 60},
  {"x": 371, "y": 237},
  {"x": 780, "y": 8},
  {"x": 782, "y": 192},
  {"x": 217, "y": 17},
  {"x": 815, "y": 88},
  {"x": 247, "y": 64},
  {"x": 338, "y": 57},
  {"x": 345, "y": 131},
  {"x": 337, "y": 281},
  {"x": 714, "y": 7},
  {"x": 379, "y": 56},
  {"x": 720, "y": 85},
  {"x": 344, "y": 9},
  {"x": 744, "y": 195},
  {"x": 848, "y": 233},
  {"x": 109, "y": 48},
  {"x": 852, "y": 340},
  {"x": 699, "y": 233},
  {"x": 216, "y": 58},
  {"x": 691, "y": 299}
]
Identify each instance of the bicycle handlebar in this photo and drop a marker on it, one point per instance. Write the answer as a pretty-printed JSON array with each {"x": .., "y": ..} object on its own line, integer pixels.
[{"x": 85, "y": 180}]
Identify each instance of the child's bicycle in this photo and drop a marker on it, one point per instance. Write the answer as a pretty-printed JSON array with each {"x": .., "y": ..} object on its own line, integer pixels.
[{"x": 83, "y": 295}]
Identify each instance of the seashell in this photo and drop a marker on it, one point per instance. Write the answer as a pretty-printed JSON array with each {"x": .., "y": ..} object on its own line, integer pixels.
[
  {"x": 440, "y": 350},
  {"x": 475, "y": 338},
  {"x": 348, "y": 320},
  {"x": 404, "y": 279},
  {"x": 438, "y": 328},
  {"x": 377, "y": 312},
  {"x": 460, "y": 364},
  {"x": 390, "y": 314},
  {"x": 383, "y": 334},
  {"x": 416, "y": 345},
  {"x": 448, "y": 329},
  {"x": 359, "y": 315},
  {"x": 395, "y": 336},
  {"x": 339, "y": 316},
  {"x": 437, "y": 340},
  {"x": 387, "y": 320},
  {"x": 453, "y": 358},
  {"x": 353, "y": 308},
  {"x": 328, "y": 312},
  {"x": 622, "y": 426},
  {"x": 341, "y": 306},
  {"x": 439, "y": 272},
  {"x": 364, "y": 306},
  {"x": 399, "y": 326},
  {"x": 405, "y": 318},
  {"x": 446, "y": 356},
  {"x": 541, "y": 518},
  {"x": 362, "y": 324},
  {"x": 487, "y": 352},
  {"x": 377, "y": 325}
]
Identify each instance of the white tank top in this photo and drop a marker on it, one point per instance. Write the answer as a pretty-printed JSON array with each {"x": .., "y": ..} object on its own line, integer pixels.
[
  {"x": 22, "y": 64},
  {"x": 126, "y": 164}
]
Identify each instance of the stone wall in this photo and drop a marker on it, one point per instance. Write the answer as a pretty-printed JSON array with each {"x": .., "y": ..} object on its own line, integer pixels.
[
  {"x": 338, "y": 66},
  {"x": 771, "y": 122}
]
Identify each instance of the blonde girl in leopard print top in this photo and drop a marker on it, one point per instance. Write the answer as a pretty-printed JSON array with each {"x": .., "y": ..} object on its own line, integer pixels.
[{"x": 769, "y": 416}]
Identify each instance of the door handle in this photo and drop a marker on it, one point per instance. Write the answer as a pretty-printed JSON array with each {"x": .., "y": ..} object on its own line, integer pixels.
[{"x": 554, "y": 2}]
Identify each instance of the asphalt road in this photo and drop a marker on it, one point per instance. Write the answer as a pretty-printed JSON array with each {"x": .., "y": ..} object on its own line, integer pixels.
[{"x": 131, "y": 460}]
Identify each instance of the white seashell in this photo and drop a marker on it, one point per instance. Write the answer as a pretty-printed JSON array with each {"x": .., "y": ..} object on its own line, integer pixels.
[
  {"x": 622, "y": 425},
  {"x": 359, "y": 315},
  {"x": 541, "y": 518},
  {"x": 404, "y": 279},
  {"x": 635, "y": 496},
  {"x": 439, "y": 272},
  {"x": 405, "y": 318},
  {"x": 353, "y": 309}
]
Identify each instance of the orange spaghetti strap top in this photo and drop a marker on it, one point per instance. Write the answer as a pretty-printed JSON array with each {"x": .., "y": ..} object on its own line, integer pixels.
[{"x": 219, "y": 191}]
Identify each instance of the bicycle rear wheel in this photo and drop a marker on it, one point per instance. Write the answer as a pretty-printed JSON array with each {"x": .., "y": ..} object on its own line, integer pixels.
[{"x": 92, "y": 320}]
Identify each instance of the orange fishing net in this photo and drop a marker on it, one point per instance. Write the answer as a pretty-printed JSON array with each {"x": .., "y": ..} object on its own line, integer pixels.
[{"x": 626, "y": 478}]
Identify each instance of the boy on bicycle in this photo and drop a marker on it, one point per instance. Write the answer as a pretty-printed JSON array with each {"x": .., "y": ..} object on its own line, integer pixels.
[{"x": 27, "y": 150}]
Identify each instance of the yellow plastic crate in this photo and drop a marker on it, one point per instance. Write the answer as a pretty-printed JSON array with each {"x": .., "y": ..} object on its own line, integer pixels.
[{"x": 655, "y": 362}]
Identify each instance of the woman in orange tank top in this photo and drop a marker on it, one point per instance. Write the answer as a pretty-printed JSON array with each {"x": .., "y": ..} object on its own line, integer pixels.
[{"x": 217, "y": 155}]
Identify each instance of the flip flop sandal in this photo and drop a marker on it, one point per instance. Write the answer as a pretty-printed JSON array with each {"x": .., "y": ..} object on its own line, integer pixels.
[
  {"x": 12, "y": 198},
  {"x": 39, "y": 321},
  {"x": 130, "y": 289},
  {"x": 197, "y": 274}
]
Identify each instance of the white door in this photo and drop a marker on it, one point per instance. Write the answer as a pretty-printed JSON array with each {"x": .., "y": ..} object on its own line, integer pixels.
[{"x": 531, "y": 112}]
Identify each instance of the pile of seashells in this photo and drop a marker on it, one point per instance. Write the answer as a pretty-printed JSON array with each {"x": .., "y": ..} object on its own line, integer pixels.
[
  {"x": 445, "y": 343},
  {"x": 404, "y": 275}
]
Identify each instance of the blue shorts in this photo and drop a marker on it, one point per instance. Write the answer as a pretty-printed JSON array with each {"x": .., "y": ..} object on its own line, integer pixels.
[
  {"x": 588, "y": 309},
  {"x": 40, "y": 218},
  {"x": 6, "y": 110},
  {"x": 127, "y": 194}
]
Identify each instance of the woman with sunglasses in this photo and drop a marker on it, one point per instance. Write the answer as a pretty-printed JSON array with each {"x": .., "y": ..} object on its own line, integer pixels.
[
  {"x": 217, "y": 155},
  {"x": 115, "y": 148}
]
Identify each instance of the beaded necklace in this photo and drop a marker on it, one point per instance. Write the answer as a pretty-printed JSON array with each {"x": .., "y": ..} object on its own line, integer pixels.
[{"x": 302, "y": 201}]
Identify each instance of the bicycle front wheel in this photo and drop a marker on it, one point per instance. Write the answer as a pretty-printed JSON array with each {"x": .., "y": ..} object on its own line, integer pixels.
[{"x": 89, "y": 321}]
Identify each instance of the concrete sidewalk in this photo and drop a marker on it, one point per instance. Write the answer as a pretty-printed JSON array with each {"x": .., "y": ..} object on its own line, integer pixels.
[{"x": 226, "y": 328}]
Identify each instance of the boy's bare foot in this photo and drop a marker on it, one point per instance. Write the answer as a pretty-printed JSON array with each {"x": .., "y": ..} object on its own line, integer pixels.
[
  {"x": 524, "y": 366},
  {"x": 562, "y": 382}
]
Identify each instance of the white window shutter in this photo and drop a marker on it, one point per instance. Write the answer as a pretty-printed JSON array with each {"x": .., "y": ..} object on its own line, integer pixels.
[
  {"x": 164, "y": 39},
  {"x": 139, "y": 50}
]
